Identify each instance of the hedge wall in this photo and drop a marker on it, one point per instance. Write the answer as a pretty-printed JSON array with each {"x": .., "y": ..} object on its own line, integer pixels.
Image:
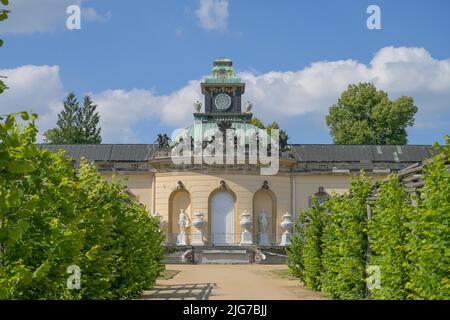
[
  {"x": 410, "y": 244},
  {"x": 52, "y": 217},
  {"x": 388, "y": 231},
  {"x": 428, "y": 243},
  {"x": 345, "y": 242}
]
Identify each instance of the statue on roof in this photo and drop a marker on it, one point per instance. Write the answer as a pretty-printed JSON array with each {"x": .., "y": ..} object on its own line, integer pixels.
[{"x": 163, "y": 141}]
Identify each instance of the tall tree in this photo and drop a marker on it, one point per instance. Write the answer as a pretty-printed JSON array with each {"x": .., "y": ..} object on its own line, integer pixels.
[
  {"x": 87, "y": 120},
  {"x": 365, "y": 115},
  {"x": 68, "y": 131},
  {"x": 76, "y": 125}
]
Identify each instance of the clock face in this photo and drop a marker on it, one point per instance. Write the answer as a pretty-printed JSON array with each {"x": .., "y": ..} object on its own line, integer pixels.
[{"x": 222, "y": 101}]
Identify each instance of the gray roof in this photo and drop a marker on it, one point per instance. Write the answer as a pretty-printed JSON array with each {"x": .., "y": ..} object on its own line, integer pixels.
[
  {"x": 358, "y": 153},
  {"x": 301, "y": 152},
  {"x": 106, "y": 152}
]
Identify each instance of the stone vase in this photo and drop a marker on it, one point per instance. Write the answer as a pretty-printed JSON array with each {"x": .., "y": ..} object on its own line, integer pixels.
[
  {"x": 198, "y": 222},
  {"x": 286, "y": 224},
  {"x": 246, "y": 222}
]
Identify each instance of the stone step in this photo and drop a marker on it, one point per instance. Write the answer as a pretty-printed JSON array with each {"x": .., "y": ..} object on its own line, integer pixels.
[{"x": 223, "y": 256}]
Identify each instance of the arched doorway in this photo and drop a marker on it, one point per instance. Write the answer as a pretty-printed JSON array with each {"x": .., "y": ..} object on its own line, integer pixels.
[{"x": 222, "y": 218}]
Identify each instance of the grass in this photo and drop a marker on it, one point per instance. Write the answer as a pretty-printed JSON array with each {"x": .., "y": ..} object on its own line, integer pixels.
[
  {"x": 283, "y": 274},
  {"x": 168, "y": 274}
]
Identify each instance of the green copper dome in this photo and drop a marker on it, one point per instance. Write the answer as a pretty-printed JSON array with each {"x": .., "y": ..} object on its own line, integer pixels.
[
  {"x": 203, "y": 129},
  {"x": 223, "y": 72}
]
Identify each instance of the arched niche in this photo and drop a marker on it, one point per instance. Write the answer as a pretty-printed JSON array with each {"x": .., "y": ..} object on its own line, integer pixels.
[
  {"x": 178, "y": 200},
  {"x": 222, "y": 193},
  {"x": 265, "y": 200}
]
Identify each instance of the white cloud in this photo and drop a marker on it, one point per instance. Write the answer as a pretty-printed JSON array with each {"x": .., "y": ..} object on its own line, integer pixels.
[
  {"x": 91, "y": 15},
  {"x": 120, "y": 110},
  {"x": 213, "y": 14},
  {"x": 279, "y": 96},
  {"x": 30, "y": 16},
  {"x": 33, "y": 88}
]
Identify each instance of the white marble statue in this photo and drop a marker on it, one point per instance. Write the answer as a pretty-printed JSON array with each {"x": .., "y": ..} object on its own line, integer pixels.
[
  {"x": 263, "y": 223},
  {"x": 183, "y": 223}
]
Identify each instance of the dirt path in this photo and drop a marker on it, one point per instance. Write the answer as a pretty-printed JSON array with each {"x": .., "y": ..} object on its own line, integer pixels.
[{"x": 209, "y": 282}]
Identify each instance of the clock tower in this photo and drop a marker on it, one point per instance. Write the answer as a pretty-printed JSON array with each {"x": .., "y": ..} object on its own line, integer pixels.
[{"x": 223, "y": 91}]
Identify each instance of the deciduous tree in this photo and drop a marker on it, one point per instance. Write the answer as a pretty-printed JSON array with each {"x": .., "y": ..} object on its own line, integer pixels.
[{"x": 365, "y": 115}]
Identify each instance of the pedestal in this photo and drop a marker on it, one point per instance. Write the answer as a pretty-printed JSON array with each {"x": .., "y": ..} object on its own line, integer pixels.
[
  {"x": 181, "y": 239},
  {"x": 197, "y": 238},
  {"x": 246, "y": 238},
  {"x": 263, "y": 239},
  {"x": 285, "y": 239}
]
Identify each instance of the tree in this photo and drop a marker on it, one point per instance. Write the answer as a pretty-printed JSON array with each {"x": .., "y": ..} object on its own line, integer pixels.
[
  {"x": 3, "y": 16},
  {"x": 53, "y": 136},
  {"x": 365, "y": 115},
  {"x": 53, "y": 217},
  {"x": 87, "y": 122},
  {"x": 283, "y": 137},
  {"x": 76, "y": 125}
]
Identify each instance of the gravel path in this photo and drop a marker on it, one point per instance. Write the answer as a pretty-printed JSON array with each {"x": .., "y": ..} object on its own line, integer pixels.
[{"x": 209, "y": 282}]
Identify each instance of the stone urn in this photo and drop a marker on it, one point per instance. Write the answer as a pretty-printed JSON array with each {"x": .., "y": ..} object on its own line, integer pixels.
[
  {"x": 245, "y": 221},
  {"x": 198, "y": 221},
  {"x": 286, "y": 224}
]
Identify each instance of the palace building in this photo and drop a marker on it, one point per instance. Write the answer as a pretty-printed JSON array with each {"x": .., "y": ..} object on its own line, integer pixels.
[{"x": 233, "y": 203}]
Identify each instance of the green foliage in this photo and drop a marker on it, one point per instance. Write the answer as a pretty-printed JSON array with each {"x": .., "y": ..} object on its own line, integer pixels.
[
  {"x": 76, "y": 125},
  {"x": 312, "y": 252},
  {"x": 283, "y": 136},
  {"x": 429, "y": 238},
  {"x": 87, "y": 121},
  {"x": 365, "y": 115},
  {"x": 257, "y": 123},
  {"x": 54, "y": 136},
  {"x": 52, "y": 217},
  {"x": 295, "y": 250},
  {"x": 388, "y": 231},
  {"x": 345, "y": 242},
  {"x": 409, "y": 243},
  {"x": 305, "y": 251}
]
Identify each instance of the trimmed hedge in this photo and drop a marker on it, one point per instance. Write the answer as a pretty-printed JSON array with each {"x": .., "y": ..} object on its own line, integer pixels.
[
  {"x": 410, "y": 244},
  {"x": 429, "y": 238},
  {"x": 305, "y": 251},
  {"x": 52, "y": 217},
  {"x": 345, "y": 242},
  {"x": 388, "y": 231}
]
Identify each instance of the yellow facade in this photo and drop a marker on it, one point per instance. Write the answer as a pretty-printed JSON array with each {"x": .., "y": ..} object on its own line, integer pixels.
[{"x": 164, "y": 196}]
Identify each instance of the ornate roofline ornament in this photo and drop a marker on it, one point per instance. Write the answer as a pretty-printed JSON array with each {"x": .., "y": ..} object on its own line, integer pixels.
[
  {"x": 197, "y": 106},
  {"x": 248, "y": 107},
  {"x": 163, "y": 141},
  {"x": 180, "y": 185},
  {"x": 321, "y": 196}
]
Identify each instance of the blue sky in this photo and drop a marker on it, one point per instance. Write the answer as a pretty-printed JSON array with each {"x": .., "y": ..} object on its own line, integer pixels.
[{"x": 142, "y": 60}]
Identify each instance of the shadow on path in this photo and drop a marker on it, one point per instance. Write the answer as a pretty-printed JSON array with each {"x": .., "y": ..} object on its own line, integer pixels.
[{"x": 194, "y": 291}]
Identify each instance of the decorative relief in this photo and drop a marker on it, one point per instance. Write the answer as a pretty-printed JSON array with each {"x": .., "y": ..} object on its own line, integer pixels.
[{"x": 229, "y": 90}]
